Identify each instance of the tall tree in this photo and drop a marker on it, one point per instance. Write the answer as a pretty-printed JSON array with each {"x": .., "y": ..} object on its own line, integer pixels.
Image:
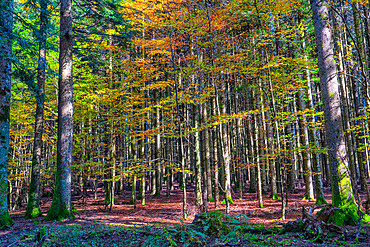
[
  {"x": 6, "y": 30},
  {"x": 340, "y": 181},
  {"x": 33, "y": 206},
  {"x": 61, "y": 205}
]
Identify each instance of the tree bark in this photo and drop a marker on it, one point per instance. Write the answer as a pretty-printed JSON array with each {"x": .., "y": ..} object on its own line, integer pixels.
[
  {"x": 340, "y": 179},
  {"x": 198, "y": 161},
  {"x": 33, "y": 206},
  {"x": 6, "y": 25},
  {"x": 61, "y": 205}
]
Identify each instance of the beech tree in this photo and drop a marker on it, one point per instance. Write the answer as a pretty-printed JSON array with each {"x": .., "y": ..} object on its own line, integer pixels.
[
  {"x": 340, "y": 181},
  {"x": 6, "y": 39},
  {"x": 33, "y": 206},
  {"x": 61, "y": 205}
]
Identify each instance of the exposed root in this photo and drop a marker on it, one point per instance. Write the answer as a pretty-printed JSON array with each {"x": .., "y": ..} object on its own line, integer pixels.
[{"x": 317, "y": 226}]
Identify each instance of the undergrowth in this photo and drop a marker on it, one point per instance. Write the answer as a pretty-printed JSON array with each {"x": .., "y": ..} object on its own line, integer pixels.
[{"x": 208, "y": 229}]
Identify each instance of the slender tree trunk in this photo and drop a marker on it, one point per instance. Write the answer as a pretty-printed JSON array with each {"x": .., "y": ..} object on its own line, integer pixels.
[
  {"x": 198, "y": 161},
  {"x": 133, "y": 190},
  {"x": 225, "y": 142},
  {"x": 134, "y": 175},
  {"x": 215, "y": 159},
  {"x": 158, "y": 169},
  {"x": 61, "y": 205},
  {"x": 313, "y": 142},
  {"x": 33, "y": 206},
  {"x": 258, "y": 165},
  {"x": 306, "y": 159},
  {"x": 252, "y": 157},
  {"x": 207, "y": 156},
  {"x": 142, "y": 174}
]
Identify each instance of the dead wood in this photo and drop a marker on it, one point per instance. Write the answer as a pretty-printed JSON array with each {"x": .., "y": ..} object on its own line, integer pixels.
[{"x": 316, "y": 226}]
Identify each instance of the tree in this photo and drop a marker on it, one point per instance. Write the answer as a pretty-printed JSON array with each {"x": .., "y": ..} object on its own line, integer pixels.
[
  {"x": 6, "y": 29},
  {"x": 61, "y": 205},
  {"x": 33, "y": 206},
  {"x": 340, "y": 177}
]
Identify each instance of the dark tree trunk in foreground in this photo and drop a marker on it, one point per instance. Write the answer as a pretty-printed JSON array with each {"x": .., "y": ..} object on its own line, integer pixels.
[
  {"x": 6, "y": 29},
  {"x": 33, "y": 206},
  {"x": 340, "y": 177},
  {"x": 61, "y": 205}
]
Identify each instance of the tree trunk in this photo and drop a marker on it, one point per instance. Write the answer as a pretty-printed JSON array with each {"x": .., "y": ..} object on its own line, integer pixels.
[
  {"x": 6, "y": 24},
  {"x": 305, "y": 154},
  {"x": 313, "y": 142},
  {"x": 207, "y": 160},
  {"x": 198, "y": 161},
  {"x": 33, "y": 206},
  {"x": 340, "y": 179},
  {"x": 159, "y": 156},
  {"x": 215, "y": 159},
  {"x": 61, "y": 205}
]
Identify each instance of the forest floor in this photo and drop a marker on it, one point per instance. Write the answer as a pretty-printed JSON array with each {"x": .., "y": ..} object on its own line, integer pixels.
[{"x": 158, "y": 223}]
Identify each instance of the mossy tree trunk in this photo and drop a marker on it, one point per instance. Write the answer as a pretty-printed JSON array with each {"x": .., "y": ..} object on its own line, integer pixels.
[
  {"x": 33, "y": 206},
  {"x": 61, "y": 205},
  {"x": 340, "y": 179},
  {"x": 6, "y": 25}
]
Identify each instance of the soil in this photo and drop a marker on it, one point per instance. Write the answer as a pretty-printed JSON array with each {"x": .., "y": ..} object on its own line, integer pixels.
[{"x": 160, "y": 211}]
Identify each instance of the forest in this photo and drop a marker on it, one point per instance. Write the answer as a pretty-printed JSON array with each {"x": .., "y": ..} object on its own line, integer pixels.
[{"x": 184, "y": 122}]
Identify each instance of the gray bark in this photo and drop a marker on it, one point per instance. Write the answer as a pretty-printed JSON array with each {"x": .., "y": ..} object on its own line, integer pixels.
[
  {"x": 33, "y": 206},
  {"x": 61, "y": 205},
  {"x": 340, "y": 181},
  {"x": 6, "y": 29}
]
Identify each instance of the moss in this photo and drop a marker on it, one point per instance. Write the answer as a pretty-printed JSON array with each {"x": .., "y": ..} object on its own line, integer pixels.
[
  {"x": 346, "y": 196},
  {"x": 33, "y": 212},
  {"x": 307, "y": 198},
  {"x": 107, "y": 199},
  {"x": 274, "y": 196},
  {"x": 349, "y": 215},
  {"x": 261, "y": 205},
  {"x": 211, "y": 199},
  {"x": 320, "y": 201},
  {"x": 5, "y": 221},
  {"x": 338, "y": 218},
  {"x": 229, "y": 199},
  {"x": 366, "y": 218},
  {"x": 139, "y": 196},
  {"x": 58, "y": 211},
  {"x": 73, "y": 209}
]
